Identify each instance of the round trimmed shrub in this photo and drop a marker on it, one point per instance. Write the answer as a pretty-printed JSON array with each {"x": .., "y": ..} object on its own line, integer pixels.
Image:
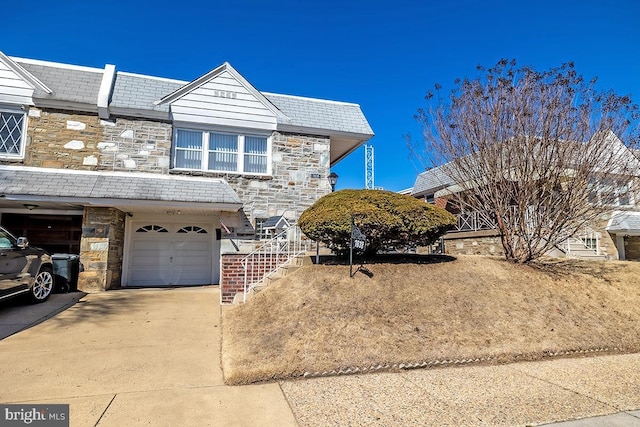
[{"x": 388, "y": 219}]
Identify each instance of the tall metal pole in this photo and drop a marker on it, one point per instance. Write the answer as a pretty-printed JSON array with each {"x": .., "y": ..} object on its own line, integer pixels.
[{"x": 369, "y": 164}]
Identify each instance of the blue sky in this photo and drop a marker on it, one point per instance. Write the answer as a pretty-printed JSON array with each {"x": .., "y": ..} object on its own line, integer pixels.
[{"x": 383, "y": 55}]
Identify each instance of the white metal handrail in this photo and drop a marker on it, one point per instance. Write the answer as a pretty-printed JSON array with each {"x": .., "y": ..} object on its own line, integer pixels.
[
  {"x": 587, "y": 239},
  {"x": 271, "y": 256}
]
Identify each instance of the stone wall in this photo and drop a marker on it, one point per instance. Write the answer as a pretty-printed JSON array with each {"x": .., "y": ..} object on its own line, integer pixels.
[
  {"x": 65, "y": 139},
  {"x": 487, "y": 242},
  {"x": 62, "y": 139},
  {"x": 300, "y": 166},
  {"x": 298, "y": 179},
  {"x": 135, "y": 145},
  {"x": 606, "y": 241},
  {"x": 101, "y": 249},
  {"x": 473, "y": 243}
]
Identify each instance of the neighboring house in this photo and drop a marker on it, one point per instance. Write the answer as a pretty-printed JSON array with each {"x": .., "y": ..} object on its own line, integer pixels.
[
  {"x": 272, "y": 226},
  {"x": 614, "y": 236},
  {"x": 144, "y": 176}
]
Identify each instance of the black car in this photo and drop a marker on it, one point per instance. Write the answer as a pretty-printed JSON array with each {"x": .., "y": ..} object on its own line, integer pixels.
[{"x": 24, "y": 269}]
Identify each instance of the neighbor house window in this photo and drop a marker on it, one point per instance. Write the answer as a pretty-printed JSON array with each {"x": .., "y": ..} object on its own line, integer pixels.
[
  {"x": 12, "y": 126},
  {"x": 261, "y": 233},
  {"x": 221, "y": 152},
  {"x": 610, "y": 192}
]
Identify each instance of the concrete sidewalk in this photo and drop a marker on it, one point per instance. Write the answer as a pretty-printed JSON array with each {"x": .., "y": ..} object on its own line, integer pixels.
[
  {"x": 135, "y": 357},
  {"x": 152, "y": 357},
  {"x": 518, "y": 394}
]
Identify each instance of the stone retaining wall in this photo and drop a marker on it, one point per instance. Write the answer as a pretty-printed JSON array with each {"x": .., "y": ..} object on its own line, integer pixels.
[{"x": 485, "y": 242}]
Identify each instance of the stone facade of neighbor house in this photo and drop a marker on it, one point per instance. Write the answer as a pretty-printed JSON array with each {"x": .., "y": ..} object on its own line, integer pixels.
[
  {"x": 477, "y": 243},
  {"x": 148, "y": 175},
  {"x": 487, "y": 242},
  {"x": 604, "y": 238},
  {"x": 606, "y": 243}
]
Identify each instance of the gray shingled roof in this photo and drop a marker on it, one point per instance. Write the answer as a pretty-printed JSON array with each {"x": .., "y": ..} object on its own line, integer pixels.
[
  {"x": 140, "y": 92},
  {"x": 624, "y": 221},
  {"x": 320, "y": 114},
  {"x": 21, "y": 181},
  {"x": 76, "y": 85},
  {"x": 273, "y": 221},
  {"x": 430, "y": 181}
]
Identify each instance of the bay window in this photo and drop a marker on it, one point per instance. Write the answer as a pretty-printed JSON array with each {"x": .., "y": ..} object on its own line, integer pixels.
[{"x": 221, "y": 152}]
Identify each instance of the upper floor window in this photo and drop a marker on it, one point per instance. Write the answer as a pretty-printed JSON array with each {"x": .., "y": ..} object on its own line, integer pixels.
[
  {"x": 611, "y": 192},
  {"x": 221, "y": 152},
  {"x": 12, "y": 133}
]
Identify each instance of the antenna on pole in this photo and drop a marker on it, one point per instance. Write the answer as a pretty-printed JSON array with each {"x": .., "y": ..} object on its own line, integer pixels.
[{"x": 369, "y": 178}]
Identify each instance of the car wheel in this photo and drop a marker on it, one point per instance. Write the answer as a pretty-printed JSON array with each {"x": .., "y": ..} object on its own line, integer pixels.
[{"x": 42, "y": 285}]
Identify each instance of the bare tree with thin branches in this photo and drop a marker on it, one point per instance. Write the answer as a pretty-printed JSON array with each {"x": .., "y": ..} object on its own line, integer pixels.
[{"x": 545, "y": 153}]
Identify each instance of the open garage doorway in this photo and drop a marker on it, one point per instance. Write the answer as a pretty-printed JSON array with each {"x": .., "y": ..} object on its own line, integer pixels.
[{"x": 53, "y": 233}]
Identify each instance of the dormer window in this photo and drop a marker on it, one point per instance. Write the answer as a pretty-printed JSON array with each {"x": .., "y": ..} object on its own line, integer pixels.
[
  {"x": 12, "y": 133},
  {"x": 221, "y": 152}
]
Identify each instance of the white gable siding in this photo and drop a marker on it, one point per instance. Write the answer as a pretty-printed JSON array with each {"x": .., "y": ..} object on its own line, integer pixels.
[
  {"x": 13, "y": 89},
  {"x": 223, "y": 101}
]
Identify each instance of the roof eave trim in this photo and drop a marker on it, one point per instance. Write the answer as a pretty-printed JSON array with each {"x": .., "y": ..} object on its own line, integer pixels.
[
  {"x": 65, "y": 105},
  {"x": 135, "y": 112},
  {"x": 430, "y": 190},
  {"x": 26, "y": 76},
  {"x": 323, "y": 131},
  {"x": 89, "y": 201},
  {"x": 181, "y": 91}
]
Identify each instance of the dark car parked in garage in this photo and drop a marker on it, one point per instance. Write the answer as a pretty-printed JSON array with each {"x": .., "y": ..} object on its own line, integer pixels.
[{"x": 24, "y": 269}]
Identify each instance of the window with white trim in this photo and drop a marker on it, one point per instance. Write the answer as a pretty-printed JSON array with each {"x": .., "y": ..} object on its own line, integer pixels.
[
  {"x": 221, "y": 152},
  {"x": 12, "y": 133},
  {"x": 611, "y": 192}
]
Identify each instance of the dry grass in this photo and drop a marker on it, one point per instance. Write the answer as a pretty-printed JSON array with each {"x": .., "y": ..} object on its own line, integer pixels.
[{"x": 319, "y": 319}]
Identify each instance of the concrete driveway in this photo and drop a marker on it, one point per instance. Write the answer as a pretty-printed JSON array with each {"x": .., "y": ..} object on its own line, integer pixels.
[
  {"x": 19, "y": 313},
  {"x": 135, "y": 357}
]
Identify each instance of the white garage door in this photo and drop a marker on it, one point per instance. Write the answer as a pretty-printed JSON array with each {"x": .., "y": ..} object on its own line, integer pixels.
[{"x": 171, "y": 255}]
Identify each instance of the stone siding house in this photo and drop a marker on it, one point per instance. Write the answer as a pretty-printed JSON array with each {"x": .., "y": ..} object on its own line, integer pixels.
[
  {"x": 614, "y": 236},
  {"x": 145, "y": 177}
]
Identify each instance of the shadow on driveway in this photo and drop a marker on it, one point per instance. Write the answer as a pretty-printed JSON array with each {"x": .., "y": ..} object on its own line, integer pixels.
[
  {"x": 18, "y": 314},
  {"x": 115, "y": 303}
]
